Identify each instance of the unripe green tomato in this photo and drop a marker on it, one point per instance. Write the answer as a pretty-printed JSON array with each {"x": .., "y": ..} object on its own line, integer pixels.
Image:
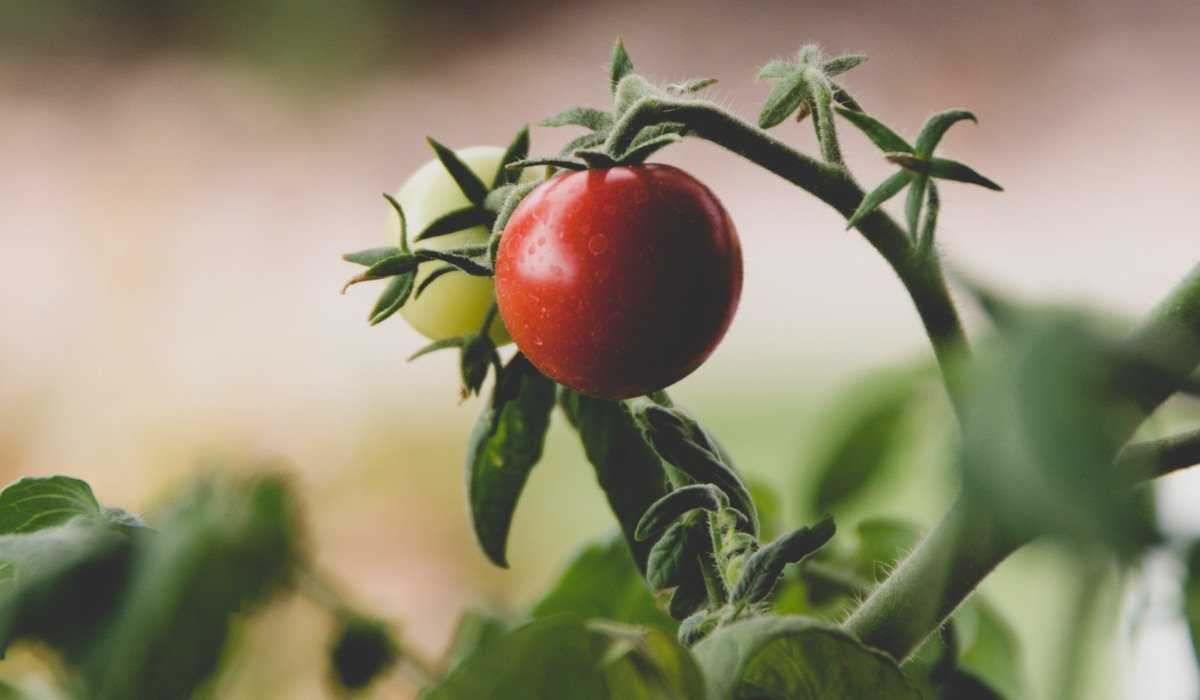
[{"x": 456, "y": 303}]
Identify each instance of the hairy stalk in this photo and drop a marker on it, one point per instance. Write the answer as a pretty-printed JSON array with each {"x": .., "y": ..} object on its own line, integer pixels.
[
  {"x": 955, "y": 557},
  {"x": 921, "y": 275}
]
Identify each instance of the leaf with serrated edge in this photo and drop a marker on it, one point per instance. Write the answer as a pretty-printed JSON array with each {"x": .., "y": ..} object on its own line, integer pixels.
[
  {"x": 504, "y": 446},
  {"x": 798, "y": 659},
  {"x": 876, "y": 197},
  {"x": 470, "y": 184}
]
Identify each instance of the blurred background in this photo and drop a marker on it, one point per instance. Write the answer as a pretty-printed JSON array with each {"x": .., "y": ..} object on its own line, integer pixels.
[{"x": 178, "y": 179}]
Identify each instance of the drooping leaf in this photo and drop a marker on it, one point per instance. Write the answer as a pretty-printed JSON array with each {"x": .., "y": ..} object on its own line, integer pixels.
[
  {"x": 602, "y": 582},
  {"x": 454, "y": 221},
  {"x": 794, "y": 658},
  {"x": 883, "y": 137},
  {"x": 466, "y": 179},
  {"x": 221, "y": 549},
  {"x": 764, "y": 567},
  {"x": 646, "y": 664},
  {"x": 551, "y": 657},
  {"x": 672, "y": 555},
  {"x": 670, "y": 507},
  {"x": 935, "y": 127},
  {"x": 517, "y": 150},
  {"x": 629, "y": 471},
  {"x": 392, "y": 299},
  {"x": 362, "y": 650},
  {"x": 876, "y": 197},
  {"x": 784, "y": 99},
  {"x": 865, "y": 427},
  {"x": 588, "y": 117},
  {"x": 619, "y": 67},
  {"x": 504, "y": 446}
]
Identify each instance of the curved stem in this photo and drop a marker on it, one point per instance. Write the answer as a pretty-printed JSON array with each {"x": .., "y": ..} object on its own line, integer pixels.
[
  {"x": 1150, "y": 459},
  {"x": 921, "y": 274}
]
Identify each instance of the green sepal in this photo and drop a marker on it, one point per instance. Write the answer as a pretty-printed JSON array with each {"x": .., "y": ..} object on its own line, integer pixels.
[
  {"x": 454, "y": 221},
  {"x": 674, "y": 505},
  {"x": 564, "y": 163},
  {"x": 433, "y": 277},
  {"x": 763, "y": 569},
  {"x": 514, "y": 198},
  {"x": 880, "y": 134},
  {"x": 619, "y": 67},
  {"x": 886, "y": 190},
  {"x": 370, "y": 256},
  {"x": 942, "y": 168},
  {"x": 639, "y": 153},
  {"x": 929, "y": 225},
  {"x": 912, "y": 206},
  {"x": 587, "y": 117},
  {"x": 504, "y": 446},
  {"x": 472, "y": 260},
  {"x": 785, "y": 98},
  {"x": 470, "y": 184},
  {"x": 393, "y": 297},
  {"x": 387, "y": 267},
  {"x": 478, "y": 353},
  {"x": 595, "y": 158},
  {"x": 517, "y": 150},
  {"x": 936, "y": 126},
  {"x": 591, "y": 140},
  {"x": 403, "y": 221},
  {"x": 456, "y": 342},
  {"x": 840, "y": 64},
  {"x": 776, "y": 68}
]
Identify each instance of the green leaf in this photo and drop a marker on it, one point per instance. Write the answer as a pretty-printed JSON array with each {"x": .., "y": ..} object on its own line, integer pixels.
[
  {"x": 764, "y": 567},
  {"x": 36, "y": 503},
  {"x": 794, "y": 658},
  {"x": 672, "y": 506},
  {"x": 690, "y": 595},
  {"x": 221, "y": 549},
  {"x": 563, "y": 163},
  {"x": 629, "y": 471},
  {"x": 602, "y": 582},
  {"x": 1038, "y": 443},
  {"x": 392, "y": 299},
  {"x": 619, "y": 67},
  {"x": 517, "y": 150},
  {"x": 843, "y": 63},
  {"x": 477, "y": 355},
  {"x": 935, "y": 127},
  {"x": 470, "y": 184},
  {"x": 672, "y": 555},
  {"x": 883, "y": 137},
  {"x": 371, "y": 256},
  {"x": 639, "y": 153},
  {"x": 942, "y": 168},
  {"x": 697, "y": 626},
  {"x": 866, "y": 425},
  {"x": 551, "y": 657},
  {"x": 504, "y": 446},
  {"x": 387, "y": 267},
  {"x": 595, "y": 158},
  {"x": 436, "y": 345},
  {"x": 456, "y": 220},
  {"x": 646, "y": 664},
  {"x": 673, "y": 434},
  {"x": 60, "y": 584},
  {"x": 362, "y": 650},
  {"x": 588, "y": 117},
  {"x": 876, "y": 197},
  {"x": 586, "y": 141},
  {"x": 784, "y": 99}
]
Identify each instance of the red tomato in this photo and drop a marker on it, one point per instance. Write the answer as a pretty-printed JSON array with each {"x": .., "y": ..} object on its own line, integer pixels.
[{"x": 620, "y": 281}]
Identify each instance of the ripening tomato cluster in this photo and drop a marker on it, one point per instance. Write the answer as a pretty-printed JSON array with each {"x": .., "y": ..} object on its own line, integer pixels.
[{"x": 615, "y": 282}]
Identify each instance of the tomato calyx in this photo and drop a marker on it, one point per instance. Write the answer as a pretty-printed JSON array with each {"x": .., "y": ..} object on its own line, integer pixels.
[
  {"x": 478, "y": 354},
  {"x": 592, "y": 150}
]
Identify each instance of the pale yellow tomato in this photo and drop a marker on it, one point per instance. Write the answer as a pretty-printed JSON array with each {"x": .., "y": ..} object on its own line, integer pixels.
[{"x": 456, "y": 303}]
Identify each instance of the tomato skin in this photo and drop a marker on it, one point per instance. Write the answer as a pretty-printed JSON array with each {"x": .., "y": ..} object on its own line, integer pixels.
[{"x": 619, "y": 282}]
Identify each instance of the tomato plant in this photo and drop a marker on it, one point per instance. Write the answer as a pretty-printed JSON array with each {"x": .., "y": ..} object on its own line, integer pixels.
[
  {"x": 618, "y": 282},
  {"x": 617, "y": 278}
]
